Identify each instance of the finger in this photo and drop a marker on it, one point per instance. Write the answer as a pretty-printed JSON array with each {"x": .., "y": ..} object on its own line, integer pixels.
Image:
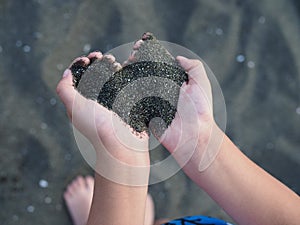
[
  {"x": 188, "y": 64},
  {"x": 83, "y": 61},
  {"x": 110, "y": 58},
  {"x": 95, "y": 55},
  {"x": 194, "y": 68},
  {"x": 197, "y": 74},
  {"x": 66, "y": 91}
]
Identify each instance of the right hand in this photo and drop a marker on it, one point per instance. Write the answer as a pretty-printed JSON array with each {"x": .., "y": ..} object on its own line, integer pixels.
[{"x": 188, "y": 138}]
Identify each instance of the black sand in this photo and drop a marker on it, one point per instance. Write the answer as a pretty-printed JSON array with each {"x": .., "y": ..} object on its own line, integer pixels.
[
  {"x": 151, "y": 61},
  {"x": 39, "y": 39}
]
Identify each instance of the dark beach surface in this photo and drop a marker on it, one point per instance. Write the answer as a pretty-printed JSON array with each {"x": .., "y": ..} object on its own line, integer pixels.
[{"x": 253, "y": 48}]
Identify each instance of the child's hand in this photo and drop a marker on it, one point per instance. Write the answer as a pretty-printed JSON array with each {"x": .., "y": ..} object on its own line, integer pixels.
[
  {"x": 115, "y": 143},
  {"x": 192, "y": 134}
]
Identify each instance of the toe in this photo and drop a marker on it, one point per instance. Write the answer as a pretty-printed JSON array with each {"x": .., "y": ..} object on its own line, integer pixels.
[
  {"x": 67, "y": 195},
  {"x": 89, "y": 182},
  {"x": 71, "y": 189},
  {"x": 80, "y": 181}
]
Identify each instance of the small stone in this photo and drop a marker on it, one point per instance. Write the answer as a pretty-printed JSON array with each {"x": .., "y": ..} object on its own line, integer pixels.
[
  {"x": 53, "y": 101},
  {"x": 15, "y": 217},
  {"x": 68, "y": 157},
  {"x": 219, "y": 31},
  {"x": 19, "y": 43},
  {"x": 60, "y": 67},
  {"x": 251, "y": 64},
  {"x": 26, "y": 49},
  {"x": 48, "y": 200},
  {"x": 87, "y": 48},
  {"x": 298, "y": 110},
  {"x": 262, "y": 20},
  {"x": 37, "y": 35},
  {"x": 44, "y": 126},
  {"x": 43, "y": 183},
  {"x": 240, "y": 58},
  {"x": 30, "y": 208}
]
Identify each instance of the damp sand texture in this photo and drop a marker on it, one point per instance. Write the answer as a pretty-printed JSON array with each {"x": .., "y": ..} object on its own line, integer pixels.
[{"x": 147, "y": 88}]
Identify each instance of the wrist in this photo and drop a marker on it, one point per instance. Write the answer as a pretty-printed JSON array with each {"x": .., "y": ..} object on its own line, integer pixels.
[
  {"x": 217, "y": 170},
  {"x": 207, "y": 151},
  {"x": 123, "y": 166}
]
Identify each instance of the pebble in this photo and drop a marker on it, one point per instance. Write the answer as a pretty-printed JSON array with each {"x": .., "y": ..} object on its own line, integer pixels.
[
  {"x": 26, "y": 48},
  {"x": 48, "y": 200},
  {"x": 240, "y": 58},
  {"x": 37, "y": 35},
  {"x": 262, "y": 20},
  {"x": 251, "y": 64},
  {"x": 68, "y": 157},
  {"x": 219, "y": 31},
  {"x": 53, "y": 101},
  {"x": 87, "y": 48},
  {"x": 60, "y": 67},
  {"x": 298, "y": 110},
  {"x": 30, "y": 208},
  {"x": 44, "y": 126},
  {"x": 15, "y": 217},
  {"x": 43, "y": 183},
  {"x": 19, "y": 43}
]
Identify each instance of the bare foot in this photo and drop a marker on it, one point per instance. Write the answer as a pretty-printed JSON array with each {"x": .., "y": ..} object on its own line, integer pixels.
[{"x": 78, "y": 197}]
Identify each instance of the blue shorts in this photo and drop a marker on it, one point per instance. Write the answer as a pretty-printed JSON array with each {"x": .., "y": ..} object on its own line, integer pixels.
[{"x": 198, "y": 220}]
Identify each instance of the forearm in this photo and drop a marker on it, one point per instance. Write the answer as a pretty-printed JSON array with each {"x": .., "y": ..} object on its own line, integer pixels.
[
  {"x": 116, "y": 203},
  {"x": 246, "y": 192},
  {"x": 121, "y": 186}
]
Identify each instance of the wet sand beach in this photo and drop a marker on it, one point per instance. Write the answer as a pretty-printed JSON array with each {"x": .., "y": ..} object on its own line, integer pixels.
[{"x": 253, "y": 48}]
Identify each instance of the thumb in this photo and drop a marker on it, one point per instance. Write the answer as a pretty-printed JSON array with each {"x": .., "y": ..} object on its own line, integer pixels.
[
  {"x": 66, "y": 91},
  {"x": 195, "y": 69},
  {"x": 197, "y": 74}
]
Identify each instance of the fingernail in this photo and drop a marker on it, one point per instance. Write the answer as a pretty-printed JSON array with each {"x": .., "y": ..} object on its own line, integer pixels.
[
  {"x": 66, "y": 73},
  {"x": 179, "y": 58}
]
